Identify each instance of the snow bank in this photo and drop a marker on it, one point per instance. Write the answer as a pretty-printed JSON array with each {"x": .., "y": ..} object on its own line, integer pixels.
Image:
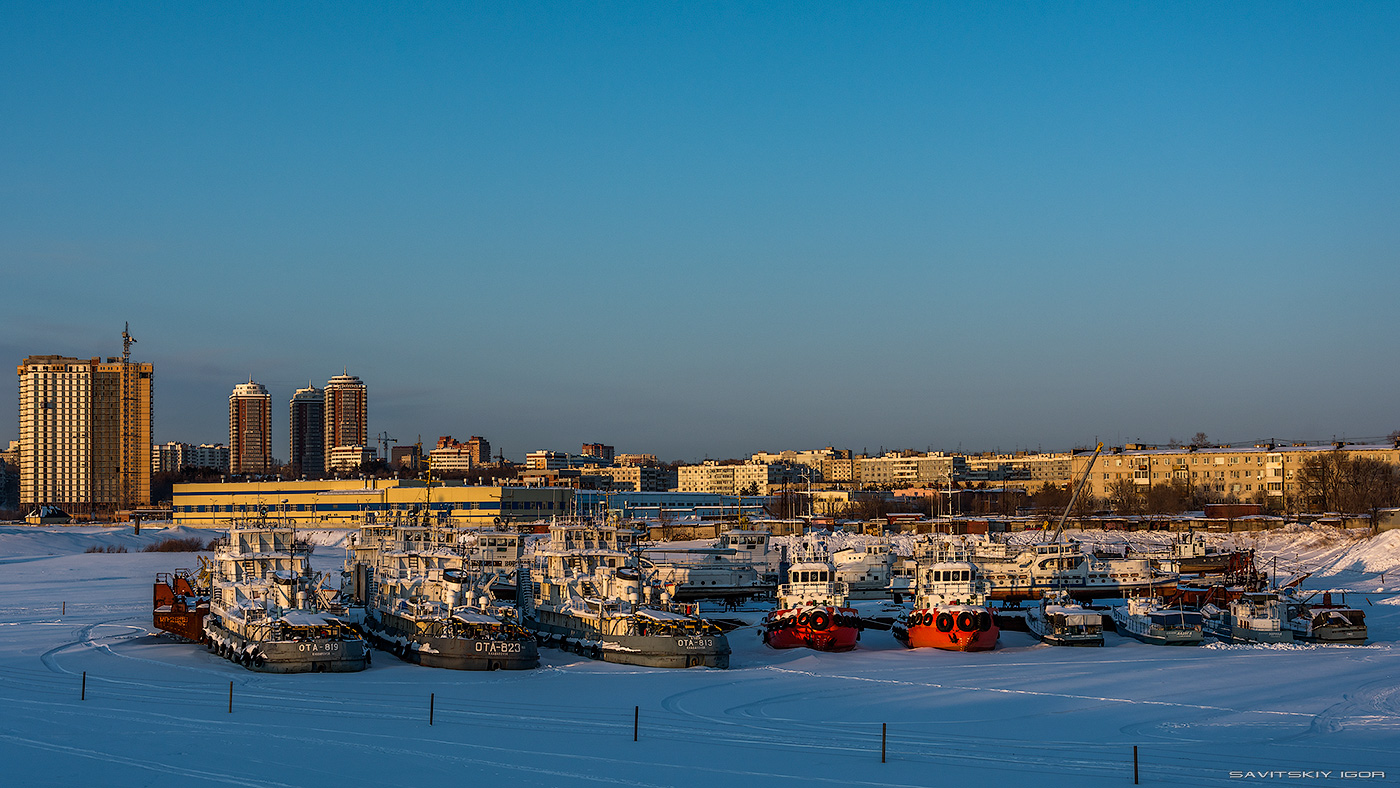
[{"x": 30, "y": 540}]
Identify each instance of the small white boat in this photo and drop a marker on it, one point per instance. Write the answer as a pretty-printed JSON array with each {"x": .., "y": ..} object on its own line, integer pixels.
[
  {"x": 1060, "y": 621},
  {"x": 1256, "y": 617},
  {"x": 1328, "y": 621}
]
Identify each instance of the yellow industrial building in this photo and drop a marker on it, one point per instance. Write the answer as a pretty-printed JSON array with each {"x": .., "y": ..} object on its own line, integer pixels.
[{"x": 349, "y": 502}]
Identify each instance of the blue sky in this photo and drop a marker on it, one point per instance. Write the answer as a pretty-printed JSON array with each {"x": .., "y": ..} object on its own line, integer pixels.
[{"x": 711, "y": 229}]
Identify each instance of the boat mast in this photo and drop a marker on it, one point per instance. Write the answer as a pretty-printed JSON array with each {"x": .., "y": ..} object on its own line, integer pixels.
[{"x": 1075, "y": 496}]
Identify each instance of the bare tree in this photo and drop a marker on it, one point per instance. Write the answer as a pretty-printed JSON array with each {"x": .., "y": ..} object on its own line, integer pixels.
[
  {"x": 1167, "y": 498},
  {"x": 1335, "y": 481},
  {"x": 1200, "y": 439},
  {"x": 1123, "y": 495}
]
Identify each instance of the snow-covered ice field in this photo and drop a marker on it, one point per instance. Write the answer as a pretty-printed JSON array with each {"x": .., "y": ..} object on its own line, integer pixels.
[{"x": 157, "y": 714}]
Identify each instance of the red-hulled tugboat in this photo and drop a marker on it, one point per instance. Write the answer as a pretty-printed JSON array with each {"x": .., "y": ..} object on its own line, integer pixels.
[
  {"x": 949, "y": 612},
  {"x": 812, "y": 609}
]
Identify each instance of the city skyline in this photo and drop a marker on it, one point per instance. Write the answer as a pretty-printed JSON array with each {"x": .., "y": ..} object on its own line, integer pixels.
[{"x": 719, "y": 230}]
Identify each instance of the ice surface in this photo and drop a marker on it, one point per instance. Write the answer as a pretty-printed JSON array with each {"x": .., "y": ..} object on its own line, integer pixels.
[{"x": 156, "y": 712}]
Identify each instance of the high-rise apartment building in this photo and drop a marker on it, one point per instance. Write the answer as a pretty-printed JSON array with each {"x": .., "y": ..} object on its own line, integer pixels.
[
  {"x": 307, "y": 429},
  {"x": 346, "y": 414},
  {"x": 250, "y": 429},
  {"x": 602, "y": 451},
  {"x": 175, "y": 456},
  {"x": 85, "y": 433}
]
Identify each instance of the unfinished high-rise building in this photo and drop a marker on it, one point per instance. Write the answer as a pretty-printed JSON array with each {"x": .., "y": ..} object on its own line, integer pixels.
[{"x": 85, "y": 432}]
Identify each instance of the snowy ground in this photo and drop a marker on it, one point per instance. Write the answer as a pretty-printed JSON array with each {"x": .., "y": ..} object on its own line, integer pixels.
[{"x": 156, "y": 711}]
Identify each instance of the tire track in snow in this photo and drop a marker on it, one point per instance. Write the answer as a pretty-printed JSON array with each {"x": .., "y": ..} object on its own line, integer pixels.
[
  {"x": 120, "y": 760},
  {"x": 1037, "y": 693}
]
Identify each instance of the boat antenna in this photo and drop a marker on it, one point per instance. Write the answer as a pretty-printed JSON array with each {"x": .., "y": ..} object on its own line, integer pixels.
[{"x": 1075, "y": 496}]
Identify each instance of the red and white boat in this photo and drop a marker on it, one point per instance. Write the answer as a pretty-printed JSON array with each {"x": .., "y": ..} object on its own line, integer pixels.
[
  {"x": 949, "y": 612},
  {"x": 812, "y": 609}
]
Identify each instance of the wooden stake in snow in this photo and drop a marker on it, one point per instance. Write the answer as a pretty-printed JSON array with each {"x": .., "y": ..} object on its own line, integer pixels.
[
  {"x": 65, "y": 604},
  {"x": 636, "y": 720},
  {"x": 230, "y": 697},
  {"x": 1135, "y": 773},
  {"x": 884, "y": 730},
  {"x": 432, "y": 700},
  {"x": 83, "y": 694}
]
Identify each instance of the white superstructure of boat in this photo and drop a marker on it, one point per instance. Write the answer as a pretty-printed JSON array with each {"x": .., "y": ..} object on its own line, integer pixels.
[{"x": 1255, "y": 617}]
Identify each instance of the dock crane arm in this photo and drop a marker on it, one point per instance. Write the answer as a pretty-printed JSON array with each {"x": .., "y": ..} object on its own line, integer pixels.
[{"x": 1074, "y": 497}]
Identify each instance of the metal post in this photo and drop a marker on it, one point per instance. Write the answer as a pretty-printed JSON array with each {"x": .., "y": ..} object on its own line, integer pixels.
[
  {"x": 636, "y": 720},
  {"x": 432, "y": 699},
  {"x": 884, "y": 729},
  {"x": 1135, "y": 769},
  {"x": 83, "y": 695},
  {"x": 230, "y": 697}
]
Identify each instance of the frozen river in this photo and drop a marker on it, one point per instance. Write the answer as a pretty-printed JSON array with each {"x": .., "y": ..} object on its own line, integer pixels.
[{"x": 156, "y": 711}]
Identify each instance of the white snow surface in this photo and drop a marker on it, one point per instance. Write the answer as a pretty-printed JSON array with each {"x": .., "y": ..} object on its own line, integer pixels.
[{"x": 156, "y": 710}]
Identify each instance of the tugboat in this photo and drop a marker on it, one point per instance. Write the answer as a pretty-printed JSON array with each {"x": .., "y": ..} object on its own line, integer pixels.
[
  {"x": 1060, "y": 621},
  {"x": 1326, "y": 622},
  {"x": 1255, "y": 617},
  {"x": 421, "y": 604},
  {"x": 1146, "y": 620},
  {"x": 268, "y": 611},
  {"x": 812, "y": 610},
  {"x": 592, "y": 598},
  {"x": 950, "y": 611}
]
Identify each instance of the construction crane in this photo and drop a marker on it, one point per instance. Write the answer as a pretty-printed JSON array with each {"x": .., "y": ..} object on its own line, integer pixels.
[{"x": 384, "y": 438}]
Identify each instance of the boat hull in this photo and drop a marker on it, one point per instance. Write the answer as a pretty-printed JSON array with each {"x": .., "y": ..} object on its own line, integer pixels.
[
  {"x": 454, "y": 653},
  {"x": 796, "y": 628},
  {"x": 929, "y": 631},
  {"x": 1157, "y": 637},
  {"x": 1346, "y": 636},
  {"x": 315, "y": 655},
  {"x": 572, "y": 634}
]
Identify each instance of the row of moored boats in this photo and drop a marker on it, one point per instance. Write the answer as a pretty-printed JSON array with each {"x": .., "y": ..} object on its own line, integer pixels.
[{"x": 468, "y": 599}]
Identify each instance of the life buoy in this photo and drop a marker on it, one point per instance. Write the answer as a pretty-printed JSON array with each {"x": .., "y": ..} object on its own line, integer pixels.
[
  {"x": 803, "y": 619},
  {"x": 984, "y": 621},
  {"x": 944, "y": 622},
  {"x": 967, "y": 622},
  {"x": 820, "y": 620}
]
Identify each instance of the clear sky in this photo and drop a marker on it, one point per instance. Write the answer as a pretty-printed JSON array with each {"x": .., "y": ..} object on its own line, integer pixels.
[{"x": 707, "y": 229}]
